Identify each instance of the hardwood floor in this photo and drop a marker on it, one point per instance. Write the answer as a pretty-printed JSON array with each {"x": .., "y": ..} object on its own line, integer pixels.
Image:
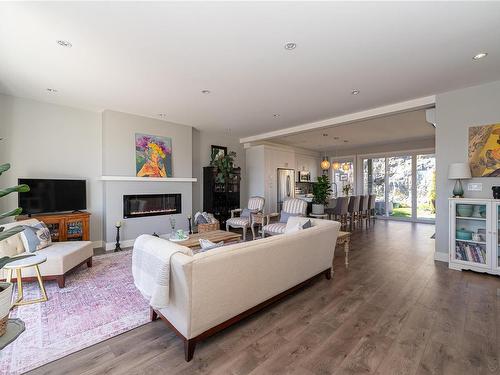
[{"x": 394, "y": 311}]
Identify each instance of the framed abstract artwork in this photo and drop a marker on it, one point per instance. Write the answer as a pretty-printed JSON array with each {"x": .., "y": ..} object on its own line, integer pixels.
[
  {"x": 484, "y": 150},
  {"x": 153, "y": 156}
]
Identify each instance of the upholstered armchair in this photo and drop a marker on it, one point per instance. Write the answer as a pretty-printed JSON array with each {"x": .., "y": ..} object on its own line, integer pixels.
[
  {"x": 245, "y": 219},
  {"x": 291, "y": 207}
]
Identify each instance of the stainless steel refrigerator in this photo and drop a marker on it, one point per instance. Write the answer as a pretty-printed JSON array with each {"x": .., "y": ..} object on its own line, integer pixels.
[{"x": 286, "y": 186}]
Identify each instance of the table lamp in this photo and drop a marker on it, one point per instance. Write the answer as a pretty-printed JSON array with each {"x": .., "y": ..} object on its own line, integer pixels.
[{"x": 458, "y": 171}]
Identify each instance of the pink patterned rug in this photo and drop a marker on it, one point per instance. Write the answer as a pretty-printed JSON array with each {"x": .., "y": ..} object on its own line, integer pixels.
[{"x": 96, "y": 304}]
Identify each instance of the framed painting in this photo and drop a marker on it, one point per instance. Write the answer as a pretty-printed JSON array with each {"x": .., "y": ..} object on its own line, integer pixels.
[
  {"x": 153, "y": 156},
  {"x": 218, "y": 152},
  {"x": 484, "y": 150}
]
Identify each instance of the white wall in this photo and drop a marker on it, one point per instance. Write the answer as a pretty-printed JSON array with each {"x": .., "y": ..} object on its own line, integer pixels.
[
  {"x": 202, "y": 142},
  {"x": 456, "y": 111},
  {"x": 43, "y": 140},
  {"x": 417, "y": 144},
  {"x": 118, "y": 156}
]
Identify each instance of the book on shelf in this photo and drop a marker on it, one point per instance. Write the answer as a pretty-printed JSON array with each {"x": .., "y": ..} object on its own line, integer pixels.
[{"x": 470, "y": 252}]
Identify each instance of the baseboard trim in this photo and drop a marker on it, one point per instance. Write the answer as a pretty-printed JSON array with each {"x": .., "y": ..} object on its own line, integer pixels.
[
  {"x": 97, "y": 244},
  {"x": 441, "y": 257},
  {"x": 123, "y": 244}
]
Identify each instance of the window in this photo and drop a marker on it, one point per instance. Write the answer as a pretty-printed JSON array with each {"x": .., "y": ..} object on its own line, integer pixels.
[{"x": 404, "y": 185}]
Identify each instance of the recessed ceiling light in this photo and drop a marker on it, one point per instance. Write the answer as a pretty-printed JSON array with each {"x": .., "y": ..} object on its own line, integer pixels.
[
  {"x": 162, "y": 115},
  {"x": 355, "y": 92},
  {"x": 205, "y": 91},
  {"x": 336, "y": 138},
  {"x": 480, "y": 56},
  {"x": 345, "y": 141},
  {"x": 64, "y": 43},
  {"x": 325, "y": 135},
  {"x": 290, "y": 45},
  {"x": 276, "y": 115},
  {"x": 51, "y": 90}
]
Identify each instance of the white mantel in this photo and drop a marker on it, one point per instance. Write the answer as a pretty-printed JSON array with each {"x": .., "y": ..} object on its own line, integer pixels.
[{"x": 148, "y": 179}]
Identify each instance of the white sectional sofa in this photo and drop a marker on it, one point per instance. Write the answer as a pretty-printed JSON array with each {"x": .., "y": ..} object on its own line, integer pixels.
[
  {"x": 211, "y": 290},
  {"x": 62, "y": 257}
]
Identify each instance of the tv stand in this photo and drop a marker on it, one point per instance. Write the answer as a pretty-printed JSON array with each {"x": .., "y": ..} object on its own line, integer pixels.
[{"x": 72, "y": 226}]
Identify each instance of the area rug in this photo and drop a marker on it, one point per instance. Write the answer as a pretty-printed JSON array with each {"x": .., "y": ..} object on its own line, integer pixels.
[{"x": 96, "y": 304}]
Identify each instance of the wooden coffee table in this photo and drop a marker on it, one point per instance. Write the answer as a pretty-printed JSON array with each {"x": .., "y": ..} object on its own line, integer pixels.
[{"x": 214, "y": 236}]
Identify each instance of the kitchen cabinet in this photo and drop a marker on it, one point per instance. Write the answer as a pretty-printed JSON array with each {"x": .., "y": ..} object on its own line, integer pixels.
[{"x": 307, "y": 163}]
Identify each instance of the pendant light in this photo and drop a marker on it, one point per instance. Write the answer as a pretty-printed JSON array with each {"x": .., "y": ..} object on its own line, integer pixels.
[
  {"x": 346, "y": 167},
  {"x": 335, "y": 165},
  {"x": 325, "y": 164}
]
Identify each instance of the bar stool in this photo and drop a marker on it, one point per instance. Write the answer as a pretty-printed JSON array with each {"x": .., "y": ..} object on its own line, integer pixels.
[{"x": 371, "y": 208}]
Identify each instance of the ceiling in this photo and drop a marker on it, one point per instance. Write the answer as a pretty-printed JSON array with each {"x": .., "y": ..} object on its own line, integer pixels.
[
  {"x": 402, "y": 127},
  {"x": 152, "y": 58}
]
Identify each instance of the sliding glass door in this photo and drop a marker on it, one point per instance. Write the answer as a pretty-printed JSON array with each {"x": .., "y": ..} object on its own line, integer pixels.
[
  {"x": 426, "y": 186},
  {"x": 400, "y": 183},
  {"x": 404, "y": 185},
  {"x": 374, "y": 182}
]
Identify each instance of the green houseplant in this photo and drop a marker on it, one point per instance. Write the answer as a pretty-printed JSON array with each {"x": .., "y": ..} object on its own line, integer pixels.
[
  {"x": 223, "y": 166},
  {"x": 6, "y": 288},
  {"x": 321, "y": 192}
]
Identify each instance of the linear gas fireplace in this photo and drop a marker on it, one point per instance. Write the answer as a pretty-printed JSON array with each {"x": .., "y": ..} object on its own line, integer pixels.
[{"x": 140, "y": 205}]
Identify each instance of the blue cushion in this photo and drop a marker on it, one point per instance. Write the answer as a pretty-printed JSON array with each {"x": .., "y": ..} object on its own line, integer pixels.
[
  {"x": 37, "y": 236},
  {"x": 307, "y": 224},
  {"x": 245, "y": 212},
  {"x": 285, "y": 215}
]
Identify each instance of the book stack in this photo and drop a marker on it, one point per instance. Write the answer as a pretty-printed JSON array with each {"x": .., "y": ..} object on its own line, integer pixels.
[{"x": 470, "y": 252}]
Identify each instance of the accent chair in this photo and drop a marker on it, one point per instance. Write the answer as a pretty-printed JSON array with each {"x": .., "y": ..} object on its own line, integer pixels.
[
  {"x": 291, "y": 207},
  {"x": 255, "y": 206}
]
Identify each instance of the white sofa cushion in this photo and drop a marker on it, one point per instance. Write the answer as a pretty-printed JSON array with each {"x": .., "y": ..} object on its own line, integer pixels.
[{"x": 15, "y": 245}]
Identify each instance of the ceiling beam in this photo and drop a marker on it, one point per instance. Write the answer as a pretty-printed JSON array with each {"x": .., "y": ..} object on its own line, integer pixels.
[{"x": 414, "y": 104}]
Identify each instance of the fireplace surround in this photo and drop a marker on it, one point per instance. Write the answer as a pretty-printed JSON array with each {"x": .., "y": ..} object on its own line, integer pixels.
[{"x": 140, "y": 205}]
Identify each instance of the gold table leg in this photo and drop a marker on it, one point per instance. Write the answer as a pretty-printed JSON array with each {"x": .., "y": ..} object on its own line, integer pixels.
[{"x": 20, "y": 301}]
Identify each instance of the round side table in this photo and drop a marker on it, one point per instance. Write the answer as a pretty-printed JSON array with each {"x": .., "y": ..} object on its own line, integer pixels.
[{"x": 18, "y": 265}]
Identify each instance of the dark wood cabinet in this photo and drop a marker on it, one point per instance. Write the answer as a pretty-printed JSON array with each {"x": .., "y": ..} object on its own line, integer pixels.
[{"x": 220, "y": 198}]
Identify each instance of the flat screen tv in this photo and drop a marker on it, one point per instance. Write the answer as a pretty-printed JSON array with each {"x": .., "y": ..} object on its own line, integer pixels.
[{"x": 52, "y": 195}]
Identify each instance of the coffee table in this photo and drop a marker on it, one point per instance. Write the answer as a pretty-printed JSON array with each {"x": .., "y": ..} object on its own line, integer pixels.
[{"x": 214, "y": 236}]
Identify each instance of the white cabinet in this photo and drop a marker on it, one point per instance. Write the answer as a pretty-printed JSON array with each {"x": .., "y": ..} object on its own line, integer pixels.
[
  {"x": 307, "y": 163},
  {"x": 474, "y": 239}
]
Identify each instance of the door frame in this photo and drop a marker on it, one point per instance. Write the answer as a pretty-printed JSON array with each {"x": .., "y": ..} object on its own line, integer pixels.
[{"x": 386, "y": 155}]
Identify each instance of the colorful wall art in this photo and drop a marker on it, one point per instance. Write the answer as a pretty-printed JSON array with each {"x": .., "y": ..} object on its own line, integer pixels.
[
  {"x": 484, "y": 150},
  {"x": 153, "y": 156}
]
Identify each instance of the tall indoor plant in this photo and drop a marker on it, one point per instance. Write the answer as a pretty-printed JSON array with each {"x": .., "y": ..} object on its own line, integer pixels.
[
  {"x": 321, "y": 192},
  {"x": 223, "y": 166},
  {"x": 6, "y": 288}
]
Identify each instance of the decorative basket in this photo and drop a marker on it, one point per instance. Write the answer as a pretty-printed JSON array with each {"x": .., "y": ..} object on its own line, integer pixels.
[
  {"x": 209, "y": 227},
  {"x": 3, "y": 325}
]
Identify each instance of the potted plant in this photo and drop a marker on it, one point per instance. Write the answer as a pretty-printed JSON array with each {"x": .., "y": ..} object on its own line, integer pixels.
[
  {"x": 6, "y": 288},
  {"x": 321, "y": 192},
  {"x": 223, "y": 165}
]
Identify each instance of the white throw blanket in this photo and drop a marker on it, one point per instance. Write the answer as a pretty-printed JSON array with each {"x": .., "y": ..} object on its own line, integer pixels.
[{"x": 151, "y": 267}]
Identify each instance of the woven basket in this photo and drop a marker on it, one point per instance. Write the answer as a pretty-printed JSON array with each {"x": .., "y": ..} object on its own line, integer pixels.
[
  {"x": 3, "y": 325},
  {"x": 209, "y": 227}
]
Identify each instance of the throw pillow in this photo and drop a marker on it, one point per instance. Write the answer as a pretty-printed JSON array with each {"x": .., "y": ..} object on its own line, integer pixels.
[
  {"x": 211, "y": 218},
  {"x": 206, "y": 217},
  {"x": 285, "y": 215},
  {"x": 36, "y": 237},
  {"x": 294, "y": 228},
  {"x": 307, "y": 224},
  {"x": 245, "y": 213},
  {"x": 208, "y": 245},
  {"x": 199, "y": 218}
]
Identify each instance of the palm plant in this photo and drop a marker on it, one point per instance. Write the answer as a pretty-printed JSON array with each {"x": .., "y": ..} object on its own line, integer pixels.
[{"x": 4, "y": 234}]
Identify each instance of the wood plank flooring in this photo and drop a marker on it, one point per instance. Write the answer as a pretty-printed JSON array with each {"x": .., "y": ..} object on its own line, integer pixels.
[{"x": 394, "y": 311}]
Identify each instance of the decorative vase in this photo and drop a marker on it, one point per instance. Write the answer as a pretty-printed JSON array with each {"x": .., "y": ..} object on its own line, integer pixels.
[
  {"x": 5, "y": 304},
  {"x": 318, "y": 209}
]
